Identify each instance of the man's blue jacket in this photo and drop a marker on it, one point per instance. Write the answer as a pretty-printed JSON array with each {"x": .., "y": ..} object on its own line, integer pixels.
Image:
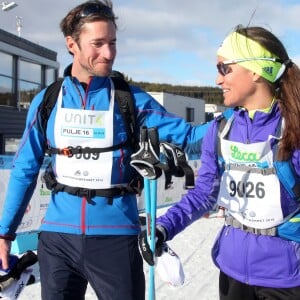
[{"x": 72, "y": 214}]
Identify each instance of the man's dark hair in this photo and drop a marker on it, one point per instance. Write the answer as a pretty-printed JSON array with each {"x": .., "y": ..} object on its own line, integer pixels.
[{"x": 87, "y": 12}]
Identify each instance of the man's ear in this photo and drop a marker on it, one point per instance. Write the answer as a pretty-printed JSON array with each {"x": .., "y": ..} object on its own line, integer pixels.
[{"x": 71, "y": 44}]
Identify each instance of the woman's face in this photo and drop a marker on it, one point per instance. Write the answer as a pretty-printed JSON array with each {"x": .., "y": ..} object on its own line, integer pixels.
[{"x": 237, "y": 83}]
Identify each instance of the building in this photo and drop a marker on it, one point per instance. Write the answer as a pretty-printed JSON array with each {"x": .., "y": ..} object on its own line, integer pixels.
[
  {"x": 188, "y": 108},
  {"x": 213, "y": 110},
  {"x": 25, "y": 69}
]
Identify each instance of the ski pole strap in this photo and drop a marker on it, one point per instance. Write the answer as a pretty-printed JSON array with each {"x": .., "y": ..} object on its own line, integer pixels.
[
  {"x": 146, "y": 160},
  {"x": 177, "y": 165}
]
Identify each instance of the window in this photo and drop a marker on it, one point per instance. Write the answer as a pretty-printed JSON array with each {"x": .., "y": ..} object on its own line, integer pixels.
[
  {"x": 11, "y": 145},
  {"x": 27, "y": 91},
  {"x": 6, "y": 64},
  {"x": 50, "y": 76},
  {"x": 190, "y": 114},
  {"x": 6, "y": 79},
  {"x": 29, "y": 82},
  {"x": 6, "y": 90},
  {"x": 30, "y": 71}
]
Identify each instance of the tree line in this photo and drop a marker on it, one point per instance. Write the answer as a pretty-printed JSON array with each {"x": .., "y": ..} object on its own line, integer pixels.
[{"x": 212, "y": 95}]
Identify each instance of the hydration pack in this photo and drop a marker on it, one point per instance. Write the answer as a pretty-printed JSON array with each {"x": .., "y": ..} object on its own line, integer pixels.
[
  {"x": 290, "y": 229},
  {"x": 284, "y": 169}
]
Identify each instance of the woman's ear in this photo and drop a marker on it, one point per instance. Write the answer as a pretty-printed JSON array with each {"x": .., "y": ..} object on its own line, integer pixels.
[{"x": 256, "y": 77}]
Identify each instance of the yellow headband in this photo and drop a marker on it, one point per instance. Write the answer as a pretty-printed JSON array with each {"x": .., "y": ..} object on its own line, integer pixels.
[{"x": 237, "y": 46}]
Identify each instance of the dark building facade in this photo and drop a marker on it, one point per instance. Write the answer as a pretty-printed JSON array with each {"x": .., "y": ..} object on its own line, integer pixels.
[{"x": 25, "y": 69}]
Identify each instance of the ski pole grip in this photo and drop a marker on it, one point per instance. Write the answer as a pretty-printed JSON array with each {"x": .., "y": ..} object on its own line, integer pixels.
[
  {"x": 143, "y": 134},
  {"x": 154, "y": 139},
  {"x": 5, "y": 284}
]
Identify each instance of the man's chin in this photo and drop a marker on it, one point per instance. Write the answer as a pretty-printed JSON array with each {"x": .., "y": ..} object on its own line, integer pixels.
[{"x": 103, "y": 71}]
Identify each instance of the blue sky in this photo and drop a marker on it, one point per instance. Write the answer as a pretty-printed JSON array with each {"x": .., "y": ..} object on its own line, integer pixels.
[{"x": 165, "y": 41}]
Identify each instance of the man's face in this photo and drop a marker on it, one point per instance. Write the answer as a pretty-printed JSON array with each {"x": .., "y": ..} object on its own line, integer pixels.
[{"x": 95, "y": 52}]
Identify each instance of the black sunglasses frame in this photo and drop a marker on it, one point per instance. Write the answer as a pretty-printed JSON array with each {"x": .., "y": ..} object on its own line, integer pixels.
[
  {"x": 96, "y": 9},
  {"x": 223, "y": 68}
]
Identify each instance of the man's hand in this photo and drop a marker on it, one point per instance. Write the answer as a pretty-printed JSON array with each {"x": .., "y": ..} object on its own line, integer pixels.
[{"x": 5, "y": 246}]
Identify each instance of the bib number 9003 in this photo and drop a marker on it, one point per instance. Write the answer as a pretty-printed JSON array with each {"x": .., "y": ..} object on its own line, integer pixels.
[{"x": 247, "y": 189}]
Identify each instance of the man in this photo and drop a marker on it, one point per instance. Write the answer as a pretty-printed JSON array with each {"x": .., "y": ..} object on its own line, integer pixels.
[{"x": 87, "y": 237}]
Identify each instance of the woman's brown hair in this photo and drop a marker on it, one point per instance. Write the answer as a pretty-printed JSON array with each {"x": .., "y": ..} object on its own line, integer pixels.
[{"x": 286, "y": 88}]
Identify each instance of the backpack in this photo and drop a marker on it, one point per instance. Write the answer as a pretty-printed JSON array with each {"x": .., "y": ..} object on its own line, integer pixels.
[{"x": 124, "y": 99}]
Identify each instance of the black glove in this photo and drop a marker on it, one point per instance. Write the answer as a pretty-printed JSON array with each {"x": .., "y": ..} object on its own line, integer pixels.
[{"x": 145, "y": 247}]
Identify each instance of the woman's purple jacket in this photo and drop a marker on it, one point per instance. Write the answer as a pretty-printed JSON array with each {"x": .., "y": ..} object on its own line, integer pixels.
[{"x": 253, "y": 259}]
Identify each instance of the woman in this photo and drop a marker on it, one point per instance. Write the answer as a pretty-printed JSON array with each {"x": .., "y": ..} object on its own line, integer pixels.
[{"x": 250, "y": 167}]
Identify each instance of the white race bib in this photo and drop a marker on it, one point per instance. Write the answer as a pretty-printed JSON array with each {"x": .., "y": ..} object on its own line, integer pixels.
[
  {"x": 250, "y": 196},
  {"x": 84, "y": 128}
]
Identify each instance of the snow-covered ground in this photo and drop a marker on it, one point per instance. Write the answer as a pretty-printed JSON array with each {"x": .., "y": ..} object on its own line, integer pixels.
[{"x": 193, "y": 247}]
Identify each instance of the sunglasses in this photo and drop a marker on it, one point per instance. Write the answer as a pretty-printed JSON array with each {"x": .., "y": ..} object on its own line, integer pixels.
[
  {"x": 96, "y": 9},
  {"x": 224, "y": 66}
]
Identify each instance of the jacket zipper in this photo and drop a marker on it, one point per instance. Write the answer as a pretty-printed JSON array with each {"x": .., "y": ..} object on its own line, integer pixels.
[
  {"x": 83, "y": 214},
  {"x": 84, "y": 199}
]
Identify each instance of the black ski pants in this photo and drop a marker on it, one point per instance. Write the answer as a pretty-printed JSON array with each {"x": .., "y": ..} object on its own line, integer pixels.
[
  {"x": 112, "y": 265},
  {"x": 231, "y": 289}
]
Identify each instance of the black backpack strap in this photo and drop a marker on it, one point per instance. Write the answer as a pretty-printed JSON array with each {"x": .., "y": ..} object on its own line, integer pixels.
[
  {"x": 49, "y": 100},
  {"x": 124, "y": 99},
  {"x": 71, "y": 151}
]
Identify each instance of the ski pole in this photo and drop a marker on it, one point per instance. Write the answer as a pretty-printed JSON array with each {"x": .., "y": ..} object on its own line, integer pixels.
[
  {"x": 151, "y": 275},
  {"x": 153, "y": 192},
  {"x": 147, "y": 162},
  {"x": 154, "y": 145},
  {"x": 150, "y": 187}
]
